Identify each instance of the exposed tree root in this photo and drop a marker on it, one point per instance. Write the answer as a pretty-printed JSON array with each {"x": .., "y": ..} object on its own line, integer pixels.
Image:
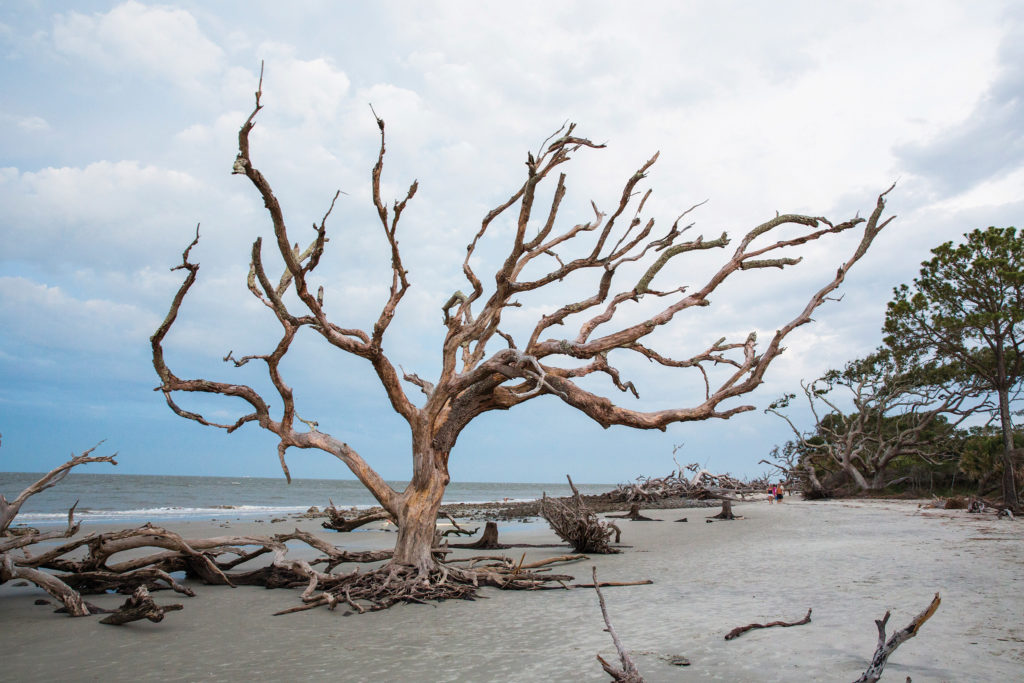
[
  {"x": 392, "y": 584},
  {"x": 577, "y": 525},
  {"x": 740, "y": 630}
]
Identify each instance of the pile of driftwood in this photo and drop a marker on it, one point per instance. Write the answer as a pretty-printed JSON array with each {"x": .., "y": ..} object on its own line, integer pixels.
[
  {"x": 698, "y": 484},
  {"x": 145, "y": 559},
  {"x": 972, "y": 504}
]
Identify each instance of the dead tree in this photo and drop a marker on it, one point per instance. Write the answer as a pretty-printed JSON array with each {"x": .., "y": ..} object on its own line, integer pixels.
[
  {"x": 617, "y": 249},
  {"x": 896, "y": 411}
]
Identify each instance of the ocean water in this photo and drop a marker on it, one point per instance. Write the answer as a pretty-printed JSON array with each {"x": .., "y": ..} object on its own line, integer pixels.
[{"x": 136, "y": 499}]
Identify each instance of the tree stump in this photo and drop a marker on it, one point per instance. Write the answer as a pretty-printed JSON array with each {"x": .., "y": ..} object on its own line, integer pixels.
[
  {"x": 488, "y": 541},
  {"x": 726, "y": 512},
  {"x": 634, "y": 515}
]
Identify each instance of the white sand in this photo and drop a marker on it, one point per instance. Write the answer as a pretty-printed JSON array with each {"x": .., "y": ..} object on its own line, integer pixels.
[{"x": 849, "y": 561}]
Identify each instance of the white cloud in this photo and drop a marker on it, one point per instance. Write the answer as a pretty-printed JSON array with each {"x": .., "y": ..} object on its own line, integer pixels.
[
  {"x": 106, "y": 212},
  {"x": 28, "y": 124},
  {"x": 157, "y": 41},
  {"x": 786, "y": 106},
  {"x": 307, "y": 89},
  {"x": 48, "y": 317}
]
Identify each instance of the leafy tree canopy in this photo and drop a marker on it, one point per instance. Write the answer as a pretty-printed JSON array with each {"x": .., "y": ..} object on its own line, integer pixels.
[{"x": 967, "y": 306}]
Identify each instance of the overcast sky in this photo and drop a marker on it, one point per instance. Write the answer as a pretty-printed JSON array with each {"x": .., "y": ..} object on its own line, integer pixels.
[{"x": 118, "y": 128}]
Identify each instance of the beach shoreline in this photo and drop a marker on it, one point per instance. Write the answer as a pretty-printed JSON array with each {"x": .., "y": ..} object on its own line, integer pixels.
[{"x": 848, "y": 560}]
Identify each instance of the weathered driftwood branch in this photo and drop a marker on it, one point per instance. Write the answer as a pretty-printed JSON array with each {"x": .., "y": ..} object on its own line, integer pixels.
[
  {"x": 577, "y": 525},
  {"x": 139, "y": 606},
  {"x": 740, "y": 630},
  {"x": 336, "y": 521},
  {"x": 15, "y": 566},
  {"x": 459, "y": 531},
  {"x": 701, "y": 484},
  {"x": 628, "y": 673},
  {"x": 9, "y": 510},
  {"x": 887, "y": 647}
]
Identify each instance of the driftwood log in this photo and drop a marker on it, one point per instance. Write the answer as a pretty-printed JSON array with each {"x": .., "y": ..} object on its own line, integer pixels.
[
  {"x": 336, "y": 521},
  {"x": 139, "y": 606},
  {"x": 577, "y": 525},
  {"x": 740, "y": 630}
]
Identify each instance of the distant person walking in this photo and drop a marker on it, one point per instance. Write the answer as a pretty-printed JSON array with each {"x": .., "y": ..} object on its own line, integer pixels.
[
  {"x": 779, "y": 492},
  {"x": 773, "y": 492}
]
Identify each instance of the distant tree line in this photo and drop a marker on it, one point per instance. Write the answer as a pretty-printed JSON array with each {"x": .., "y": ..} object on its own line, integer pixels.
[{"x": 930, "y": 410}]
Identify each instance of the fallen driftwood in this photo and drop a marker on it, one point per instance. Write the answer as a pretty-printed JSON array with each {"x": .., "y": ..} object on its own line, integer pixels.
[
  {"x": 628, "y": 673},
  {"x": 13, "y": 566},
  {"x": 740, "y": 630},
  {"x": 139, "y": 606},
  {"x": 886, "y": 648},
  {"x": 85, "y": 565},
  {"x": 459, "y": 531},
  {"x": 577, "y": 525},
  {"x": 489, "y": 541},
  {"x": 336, "y": 521},
  {"x": 701, "y": 484}
]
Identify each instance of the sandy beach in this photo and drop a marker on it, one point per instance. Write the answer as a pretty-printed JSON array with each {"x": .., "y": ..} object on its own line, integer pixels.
[{"x": 849, "y": 561}]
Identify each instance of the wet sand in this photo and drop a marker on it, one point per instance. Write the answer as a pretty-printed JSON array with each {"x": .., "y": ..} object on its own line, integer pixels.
[{"x": 848, "y": 560}]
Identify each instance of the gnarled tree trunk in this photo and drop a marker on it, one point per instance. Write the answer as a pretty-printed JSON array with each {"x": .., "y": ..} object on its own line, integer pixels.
[{"x": 417, "y": 508}]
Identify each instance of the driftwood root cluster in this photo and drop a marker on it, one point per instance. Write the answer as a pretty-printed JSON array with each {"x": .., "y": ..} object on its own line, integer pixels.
[{"x": 576, "y": 524}]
